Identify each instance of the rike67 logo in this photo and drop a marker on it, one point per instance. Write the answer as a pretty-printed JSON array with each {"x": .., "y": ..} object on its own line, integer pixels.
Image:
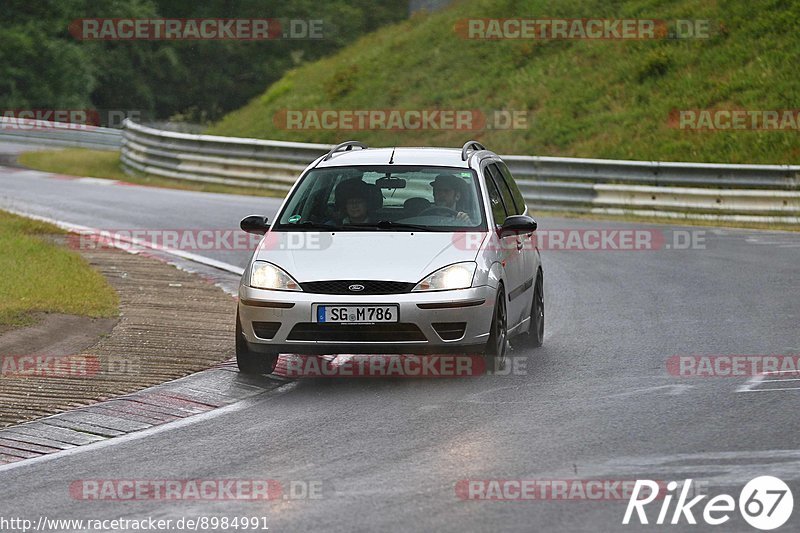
[{"x": 765, "y": 503}]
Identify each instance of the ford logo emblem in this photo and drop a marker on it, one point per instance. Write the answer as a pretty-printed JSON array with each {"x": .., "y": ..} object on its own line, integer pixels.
[{"x": 356, "y": 287}]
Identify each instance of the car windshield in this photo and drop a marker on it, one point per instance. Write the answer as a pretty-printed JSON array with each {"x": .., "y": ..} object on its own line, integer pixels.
[{"x": 385, "y": 198}]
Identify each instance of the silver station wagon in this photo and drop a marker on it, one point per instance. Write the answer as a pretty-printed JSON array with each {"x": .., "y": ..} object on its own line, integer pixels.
[{"x": 393, "y": 251}]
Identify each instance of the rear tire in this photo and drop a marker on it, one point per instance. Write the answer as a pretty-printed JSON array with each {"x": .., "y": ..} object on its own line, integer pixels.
[
  {"x": 497, "y": 345},
  {"x": 250, "y": 362}
]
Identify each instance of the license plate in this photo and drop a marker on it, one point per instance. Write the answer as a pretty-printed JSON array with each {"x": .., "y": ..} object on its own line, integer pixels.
[{"x": 356, "y": 314}]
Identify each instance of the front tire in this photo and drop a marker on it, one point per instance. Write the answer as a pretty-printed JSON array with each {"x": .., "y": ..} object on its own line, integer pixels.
[
  {"x": 536, "y": 331},
  {"x": 250, "y": 362},
  {"x": 496, "y": 346}
]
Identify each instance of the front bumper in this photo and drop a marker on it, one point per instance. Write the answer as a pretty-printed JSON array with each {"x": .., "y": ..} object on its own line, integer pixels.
[{"x": 428, "y": 322}]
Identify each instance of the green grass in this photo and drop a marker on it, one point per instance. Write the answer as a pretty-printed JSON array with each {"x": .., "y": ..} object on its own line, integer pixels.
[
  {"x": 40, "y": 276},
  {"x": 605, "y": 99},
  {"x": 106, "y": 164}
]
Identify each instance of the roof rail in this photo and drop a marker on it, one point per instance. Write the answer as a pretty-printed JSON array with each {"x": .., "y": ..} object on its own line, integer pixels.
[
  {"x": 470, "y": 145},
  {"x": 345, "y": 146}
]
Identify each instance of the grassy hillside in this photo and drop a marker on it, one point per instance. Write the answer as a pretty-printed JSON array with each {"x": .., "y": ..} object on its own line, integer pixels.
[{"x": 607, "y": 99}]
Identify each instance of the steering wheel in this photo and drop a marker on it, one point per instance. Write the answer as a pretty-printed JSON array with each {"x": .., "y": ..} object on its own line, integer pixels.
[{"x": 439, "y": 211}]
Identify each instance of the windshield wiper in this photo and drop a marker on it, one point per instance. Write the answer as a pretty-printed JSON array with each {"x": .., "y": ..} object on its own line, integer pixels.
[
  {"x": 390, "y": 224},
  {"x": 361, "y": 225},
  {"x": 308, "y": 224}
]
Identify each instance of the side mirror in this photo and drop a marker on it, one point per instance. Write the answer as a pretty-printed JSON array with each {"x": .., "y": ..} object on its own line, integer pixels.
[
  {"x": 518, "y": 224},
  {"x": 255, "y": 224}
]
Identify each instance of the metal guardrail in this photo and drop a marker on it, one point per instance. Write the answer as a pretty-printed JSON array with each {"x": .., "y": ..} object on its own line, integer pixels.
[
  {"x": 656, "y": 173},
  {"x": 25, "y": 131},
  {"x": 229, "y": 160},
  {"x": 723, "y": 192},
  {"x": 752, "y": 193}
]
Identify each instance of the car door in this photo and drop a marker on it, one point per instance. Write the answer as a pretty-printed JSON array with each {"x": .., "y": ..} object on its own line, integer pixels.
[
  {"x": 530, "y": 262},
  {"x": 510, "y": 253}
]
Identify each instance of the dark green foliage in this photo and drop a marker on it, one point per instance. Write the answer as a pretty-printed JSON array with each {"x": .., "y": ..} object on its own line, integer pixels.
[{"x": 43, "y": 66}]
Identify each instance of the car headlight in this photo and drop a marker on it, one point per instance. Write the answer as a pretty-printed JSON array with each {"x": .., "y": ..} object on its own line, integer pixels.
[
  {"x": 457, "y": 276},
  {"x": 265, "y": 275}
]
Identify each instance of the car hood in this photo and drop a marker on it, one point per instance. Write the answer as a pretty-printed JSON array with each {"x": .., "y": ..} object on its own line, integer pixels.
[{"x": 372, "y": 255}]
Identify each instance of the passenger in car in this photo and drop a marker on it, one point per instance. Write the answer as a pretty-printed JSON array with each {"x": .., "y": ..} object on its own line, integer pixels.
[{"x": 357, "y": 201}]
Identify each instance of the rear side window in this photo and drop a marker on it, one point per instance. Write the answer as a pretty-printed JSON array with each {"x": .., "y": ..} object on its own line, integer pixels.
[
  {"x": 519, "y": 201},
  {"x": 495, "y": 200}
]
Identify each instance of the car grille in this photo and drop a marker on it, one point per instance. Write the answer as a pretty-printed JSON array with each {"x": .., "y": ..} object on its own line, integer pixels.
[
  {"x": 370, "y": 287},
  {"x": 390, "y": 332}
]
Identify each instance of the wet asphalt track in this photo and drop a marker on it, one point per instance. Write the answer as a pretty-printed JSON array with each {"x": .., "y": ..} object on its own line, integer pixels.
[{"x": 596, "y": 402}]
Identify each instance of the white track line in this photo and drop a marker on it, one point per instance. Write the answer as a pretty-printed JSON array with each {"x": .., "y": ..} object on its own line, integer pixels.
[
  {"x": 759, "y": 378},
  {"x": 752, "y": 382},
  {"x": 770, "y": 390},
  {"x": 137, "y": 435}
]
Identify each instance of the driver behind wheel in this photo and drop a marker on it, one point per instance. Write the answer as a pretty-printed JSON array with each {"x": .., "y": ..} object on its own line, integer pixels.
[{"x": 447, "y": 190}]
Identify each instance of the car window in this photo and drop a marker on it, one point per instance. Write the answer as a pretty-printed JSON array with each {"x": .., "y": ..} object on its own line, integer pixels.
[
  {"x": 495, "y": 200},
  {"x": 508, "y": 200},
  {"x": 519, "y": 201},
  {"x": 385, "y": 197}
]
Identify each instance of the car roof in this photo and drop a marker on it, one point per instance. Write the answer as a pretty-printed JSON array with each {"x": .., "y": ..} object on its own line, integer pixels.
[{"x": 440, "y": 157}]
